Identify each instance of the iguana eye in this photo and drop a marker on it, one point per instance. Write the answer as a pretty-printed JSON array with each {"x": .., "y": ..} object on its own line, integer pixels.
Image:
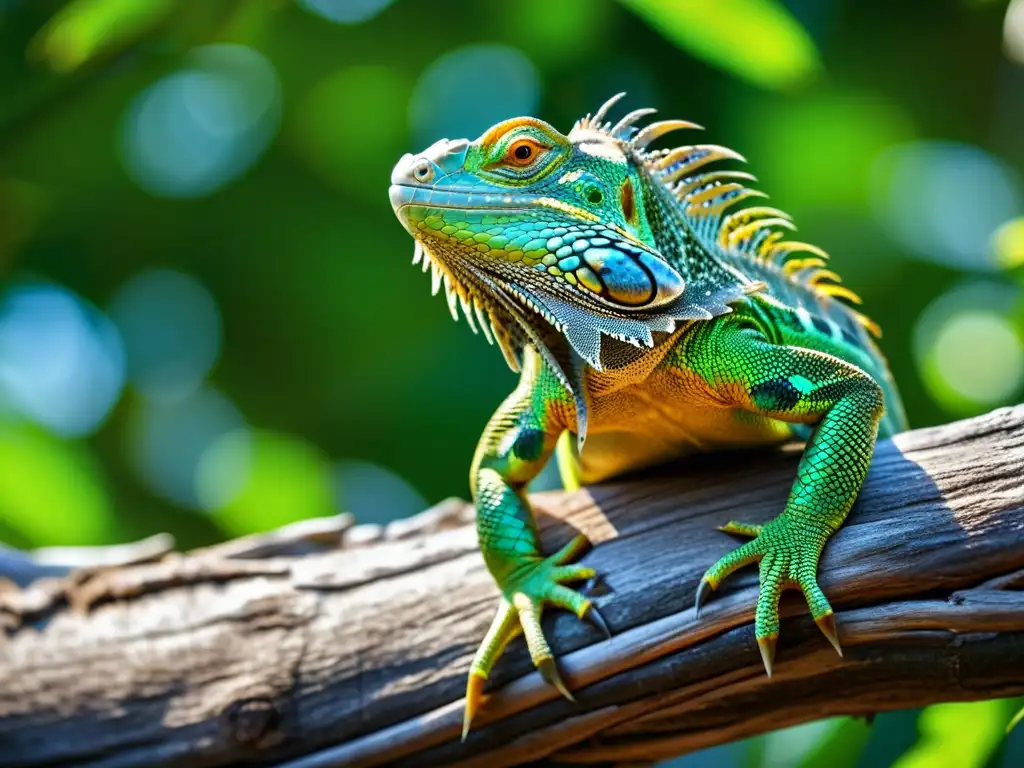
[{"x": 523, "y": 152}]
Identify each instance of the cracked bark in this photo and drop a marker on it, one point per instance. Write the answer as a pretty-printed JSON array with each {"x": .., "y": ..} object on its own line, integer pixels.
[{"x": 325, "y": 644}]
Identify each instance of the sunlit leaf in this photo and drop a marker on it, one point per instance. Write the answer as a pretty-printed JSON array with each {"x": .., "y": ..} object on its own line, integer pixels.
[
  {"x": 1015, "y": 720},
  {"x": 84, "y": 28},
  {"x": 957, "y": 735},
  {"x": 758, "y": 40},
  {"x": 50, "y": 490}
]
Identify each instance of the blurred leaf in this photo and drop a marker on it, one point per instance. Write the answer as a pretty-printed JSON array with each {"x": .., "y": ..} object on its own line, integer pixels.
[
  {"x": 284, "y": 479},
  {"x": 1015, "y": 720},
  {"x": 957, "y": 735},
  {"x": 758, "y": 40},
  {"x": 50, "y": 490},
  {"x": 84, "y": 28},
  {"x": 21, "y": 209},
  {"x": 835, "y": 742},
  {"x": 839, "y": 747}
]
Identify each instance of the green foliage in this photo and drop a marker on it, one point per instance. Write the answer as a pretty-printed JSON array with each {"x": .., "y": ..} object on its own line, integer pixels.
[
  {"x": 957, "y": 735},
  {"x": 1015, "y": 720},
  {"x": 83, "y": 29},
  {"x": 758, "y": 40},
  {"x": 50, "y": 490}
]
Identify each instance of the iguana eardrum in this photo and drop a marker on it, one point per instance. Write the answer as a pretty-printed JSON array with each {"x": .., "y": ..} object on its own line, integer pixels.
[{"x": 650, "y": 322}]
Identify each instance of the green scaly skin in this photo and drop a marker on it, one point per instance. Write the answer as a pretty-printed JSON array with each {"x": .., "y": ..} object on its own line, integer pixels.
[{"x": 649, "y": 322}]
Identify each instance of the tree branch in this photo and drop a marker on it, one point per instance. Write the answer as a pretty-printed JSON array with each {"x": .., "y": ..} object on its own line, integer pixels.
[{"x": 336, "y": 645}]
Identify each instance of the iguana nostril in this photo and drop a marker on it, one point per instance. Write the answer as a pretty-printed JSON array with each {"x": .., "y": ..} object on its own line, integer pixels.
[{"x": 423, "y": 171}]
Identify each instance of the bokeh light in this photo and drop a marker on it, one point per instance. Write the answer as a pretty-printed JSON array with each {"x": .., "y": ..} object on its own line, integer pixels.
[
  {"x": 1008, "y": 244},
  {"x": 969, "y": 353},
  {"x": 816, "y": 154},
  {"x": 1013, "y": 31},
  {"x": 171, "y": 329},
  {"x": 467, "y": 90},
  {"x": 345, "y": 11},
  {"x": 347, "y": 152},
  {"x": 942, "y": 200},
  {"x": 254, "y": 481},
  {"x": 197, "y": 129},
  {"x": 61, "y": 359},
  {"x": 167, "y": 440},
  {"x": 375, "y": 494}
]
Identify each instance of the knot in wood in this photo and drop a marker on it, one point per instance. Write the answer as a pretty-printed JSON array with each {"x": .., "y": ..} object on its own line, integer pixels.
[{"x": 252, "y": 721}]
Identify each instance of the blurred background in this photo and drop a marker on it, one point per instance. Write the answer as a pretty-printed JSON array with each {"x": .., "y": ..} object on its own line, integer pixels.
[{"x": 209, "y": 324}]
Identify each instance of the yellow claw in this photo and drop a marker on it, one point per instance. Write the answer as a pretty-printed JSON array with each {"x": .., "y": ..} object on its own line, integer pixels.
[
  {"x": 827, "y": 625},
  {"x": 474, "y": 699},
  {"x": 767, "y": 647}
]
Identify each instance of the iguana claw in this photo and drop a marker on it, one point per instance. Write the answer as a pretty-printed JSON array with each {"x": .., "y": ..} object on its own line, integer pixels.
[
  {"x": 788, "y": 555},
  {"x": 540, "y": 583}
]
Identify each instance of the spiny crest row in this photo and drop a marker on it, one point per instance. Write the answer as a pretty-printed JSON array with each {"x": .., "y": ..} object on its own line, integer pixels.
[{"x": 755, "y": 232}]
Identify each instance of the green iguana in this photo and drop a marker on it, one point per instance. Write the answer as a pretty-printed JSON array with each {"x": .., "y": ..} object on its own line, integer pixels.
[{"x": 650, "y": 323}]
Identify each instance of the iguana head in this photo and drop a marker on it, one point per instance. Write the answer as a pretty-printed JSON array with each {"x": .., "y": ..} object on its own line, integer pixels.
[{"x": 540, "y": 234}]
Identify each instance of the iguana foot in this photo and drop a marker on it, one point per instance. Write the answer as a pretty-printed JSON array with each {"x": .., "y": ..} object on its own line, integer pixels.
[
  {"x": 526, "y": 592},
  {"x": 788, "y": 551}
]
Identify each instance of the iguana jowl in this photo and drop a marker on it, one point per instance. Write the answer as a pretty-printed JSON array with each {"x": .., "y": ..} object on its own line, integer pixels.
[{"x": 650, "y": 322}]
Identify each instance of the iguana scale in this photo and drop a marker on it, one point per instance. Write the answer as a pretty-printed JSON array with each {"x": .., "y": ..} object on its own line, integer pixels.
[{"x": 650, "y": 319}]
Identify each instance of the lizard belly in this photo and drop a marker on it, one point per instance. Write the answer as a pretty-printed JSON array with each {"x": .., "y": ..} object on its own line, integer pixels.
[{"x": 665, "y": 417}]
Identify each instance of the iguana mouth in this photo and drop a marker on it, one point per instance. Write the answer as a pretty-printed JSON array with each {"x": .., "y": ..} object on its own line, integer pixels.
[{"x": 406, "y": 195}]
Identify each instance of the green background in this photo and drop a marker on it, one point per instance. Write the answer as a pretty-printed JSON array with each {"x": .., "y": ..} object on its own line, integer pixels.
[{"x": 209, "y": 324}]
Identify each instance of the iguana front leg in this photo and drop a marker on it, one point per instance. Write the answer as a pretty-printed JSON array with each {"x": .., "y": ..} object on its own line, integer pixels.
[
  {"x": 517, "y": 442},
  {"x": 799, "y": 385}
]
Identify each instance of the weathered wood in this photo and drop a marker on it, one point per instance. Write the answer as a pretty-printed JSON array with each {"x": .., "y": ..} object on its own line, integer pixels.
[{"x": 354, "y": 652}]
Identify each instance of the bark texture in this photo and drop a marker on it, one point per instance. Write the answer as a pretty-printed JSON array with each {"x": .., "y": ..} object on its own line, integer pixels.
[{"x": 329, "y": 644}]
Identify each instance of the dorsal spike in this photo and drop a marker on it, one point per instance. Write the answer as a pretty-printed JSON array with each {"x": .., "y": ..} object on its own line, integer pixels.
[
  {"x": 765, "y": 244},
  {"x": 689, "y": 186},
  {"x": 685, "y": 160},
  {"x": 870, "y": 325},
  {"x": 840, "y": 292},
  {"x": 736, "y": 236},
  {"x": 711, "y": 151},
  {"x": 783, "y": 250},
  {"x": 619, "y": 130},
  {"x": 722, "y": 200},
  {"x": 823, "y": 274},
  {"x": 793, "y": 266},
  {"x": 710, "y": 192},
  {"x": 602, "y": 111},
  {"x": 659, "y": 129}
]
